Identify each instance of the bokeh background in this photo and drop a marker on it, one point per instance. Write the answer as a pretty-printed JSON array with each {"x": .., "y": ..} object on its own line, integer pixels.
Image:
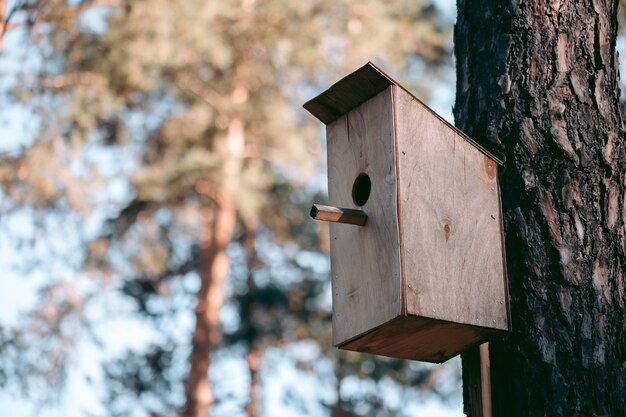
[{"x": 154, "y": 156}]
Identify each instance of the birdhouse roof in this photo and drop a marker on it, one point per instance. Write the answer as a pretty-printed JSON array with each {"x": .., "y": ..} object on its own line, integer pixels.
[{"x": 358, "y": 87}]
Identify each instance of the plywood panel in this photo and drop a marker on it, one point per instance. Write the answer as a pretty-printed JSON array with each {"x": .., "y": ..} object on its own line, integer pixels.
[
  {"x": 365, "y": 262},
  {"x": 450, "y": 218},
  {"x": 417, "y": 338},
  {"x": 348, "y": 93}
]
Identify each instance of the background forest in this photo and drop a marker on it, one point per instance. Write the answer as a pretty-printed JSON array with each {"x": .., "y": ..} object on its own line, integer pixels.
[{"x": 156, "y": 170}]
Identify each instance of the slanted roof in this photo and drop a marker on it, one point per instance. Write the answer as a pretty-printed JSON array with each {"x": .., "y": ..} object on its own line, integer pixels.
[
  {"x": 358, "y": 87},
  {"x": 349, "y": 92}
]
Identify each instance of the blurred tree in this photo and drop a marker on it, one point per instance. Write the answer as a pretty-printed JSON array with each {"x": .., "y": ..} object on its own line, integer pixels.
[{"x": 197, "y": 103}]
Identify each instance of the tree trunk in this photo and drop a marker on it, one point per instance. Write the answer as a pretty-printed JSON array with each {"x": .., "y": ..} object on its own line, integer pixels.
[
  {"x": 3, "y": 22},
  {"x": 213, "y": 272},
  {"x": 253, "y": 357},
  {"x": 537, "y": 83},
  {"x": 218, "y": 228}
]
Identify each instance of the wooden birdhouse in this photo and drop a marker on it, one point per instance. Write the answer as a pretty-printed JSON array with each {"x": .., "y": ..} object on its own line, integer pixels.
[{"x": 416, "y": 239}]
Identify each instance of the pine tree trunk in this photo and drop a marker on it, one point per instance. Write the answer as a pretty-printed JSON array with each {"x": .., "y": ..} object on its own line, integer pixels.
[
  {"x": 207, "y": 335},
  {"x": 537, "y": 82},
  {"x": 218, "y": 228},
  {"x": 3, "y": 22},
  {"x": 253, "y": 357}
]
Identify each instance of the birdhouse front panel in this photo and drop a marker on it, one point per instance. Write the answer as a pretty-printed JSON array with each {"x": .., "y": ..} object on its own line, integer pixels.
[{"x": 365, "y": 261}]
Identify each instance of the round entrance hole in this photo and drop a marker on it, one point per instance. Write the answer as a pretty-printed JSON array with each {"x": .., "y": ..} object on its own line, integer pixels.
[{"x": 361, "y": 189}]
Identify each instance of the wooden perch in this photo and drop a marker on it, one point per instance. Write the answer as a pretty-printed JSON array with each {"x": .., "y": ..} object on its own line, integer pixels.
[{"x": 338, "y": 215}]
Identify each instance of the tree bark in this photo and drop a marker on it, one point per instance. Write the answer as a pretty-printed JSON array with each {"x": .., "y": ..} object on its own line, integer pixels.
[{"x": 537, "y": 83}]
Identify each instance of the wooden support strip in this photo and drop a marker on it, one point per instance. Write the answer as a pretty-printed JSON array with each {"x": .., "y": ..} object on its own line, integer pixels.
[
  {"x": 485, "y": 379},
  {"x": 477, "y": 381},
  {"x": 338, "y": 215}
]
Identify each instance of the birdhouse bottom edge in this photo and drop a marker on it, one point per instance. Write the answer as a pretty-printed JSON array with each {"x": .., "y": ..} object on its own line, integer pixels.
[{"x": 419, "y": 338}]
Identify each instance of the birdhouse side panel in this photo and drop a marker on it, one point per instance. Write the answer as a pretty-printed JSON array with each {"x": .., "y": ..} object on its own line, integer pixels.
[
  {"x": 452, "y": 249},
  {"x": 365, "y": 260}
]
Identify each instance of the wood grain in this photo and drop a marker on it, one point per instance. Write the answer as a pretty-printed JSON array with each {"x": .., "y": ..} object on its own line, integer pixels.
[
  {"x": 358, "y": 87},
  {"x": 477, "y": 381},
  {"x": 567, "y": 352},
  {"x": 338, "y": 215},
  {"x": 472, "y": 382},
  {"x": 485, "y": 379},
  {"x": 419, "y": 338},
  {"x": 451, "y": 241},
  {"x": 365, "y": 263},
  {"x": 424, "y": 278},
  {"x": 348, "y": 93}
]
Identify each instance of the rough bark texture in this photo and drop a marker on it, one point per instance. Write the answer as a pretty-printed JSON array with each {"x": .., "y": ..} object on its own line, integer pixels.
[{"x": 537, "y": 83}]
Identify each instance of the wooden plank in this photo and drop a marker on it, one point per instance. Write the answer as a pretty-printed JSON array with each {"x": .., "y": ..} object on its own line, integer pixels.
[
  {"x": 411, "y": 337},
  {"x": 365, "y": 264},
  {"x": 485, "y": 379},
  {"x": 338, "y": 215},
  {"x": 441, "y": 119},
  {"x": 472, "y": 395},
  {"x": 477, "y": 381},
  {"x": 348, "y": 93},
  {"x": 450, "y": 222}
]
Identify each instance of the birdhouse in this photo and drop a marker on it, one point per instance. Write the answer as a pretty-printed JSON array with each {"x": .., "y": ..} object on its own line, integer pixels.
[{"x": 416, "y": 238}]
